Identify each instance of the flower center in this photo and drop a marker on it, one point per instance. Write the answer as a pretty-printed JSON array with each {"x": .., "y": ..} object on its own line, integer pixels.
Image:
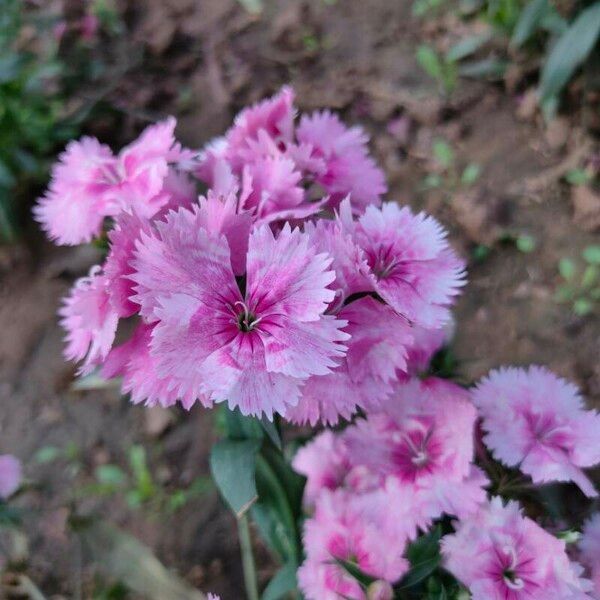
[
  {"x": 512, "y": 580},
  {"x": 246, "y": 320}
]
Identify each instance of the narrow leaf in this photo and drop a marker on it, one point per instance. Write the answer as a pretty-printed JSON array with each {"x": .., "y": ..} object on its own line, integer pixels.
[
  {"x": 529, "y": 22},
  {"x": 233, "y": 465},
  {"x": 123, "y": 558},
  {"x": 467, "y": 47},
  {"x": 283, "y": 583},
  {"x": 571, "y": 50}
]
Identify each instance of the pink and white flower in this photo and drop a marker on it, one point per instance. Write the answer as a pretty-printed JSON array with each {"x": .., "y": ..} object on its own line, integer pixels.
[
  {"x": 348, "y": 168},
  {"x": 89, "y": 183},
  {"x": 422, "y": 440},
  {"x": 410, "y": 263},
  {"x": 345, "y": 528},
  {"x": 589, "y": 547},
  {"x": 501, "y": 555},
  {"x": 253, "y": 349},
  {"x": 536, "y": 421}
]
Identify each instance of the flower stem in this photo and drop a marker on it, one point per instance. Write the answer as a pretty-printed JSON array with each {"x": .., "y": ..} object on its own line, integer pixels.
[{"x": 247, "y": 558}]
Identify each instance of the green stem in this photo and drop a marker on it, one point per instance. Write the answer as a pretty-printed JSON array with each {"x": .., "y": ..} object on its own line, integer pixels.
[{"x": 247, "y": 558}]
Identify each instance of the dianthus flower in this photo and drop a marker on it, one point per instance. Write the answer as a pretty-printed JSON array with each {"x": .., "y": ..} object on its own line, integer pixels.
[
  {"x": 536, "y": 421},
  {"x": 262, "y": 153},
  {"x": 347, "y": 166},
  {"x": 89, "y": 183},
  {"x": 324, "y": 462},
  {"x": 376, "y": 352},
  {"x": 589, "y": 547},
  {"x": 409, "y": 261},
  {"x": 501, "y": 555},
  {"x": 422, "y": 440},
  {"x": 252, "y": 348},
  {"x": 346, "y": 528},
  {"x": 10, "y": 475}
]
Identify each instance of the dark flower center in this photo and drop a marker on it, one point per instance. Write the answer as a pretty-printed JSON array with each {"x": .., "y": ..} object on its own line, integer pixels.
[{"x": 246, "y": 320}]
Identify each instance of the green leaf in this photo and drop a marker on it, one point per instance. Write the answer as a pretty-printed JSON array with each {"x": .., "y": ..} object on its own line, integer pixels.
[
  {"x": 484, "y": 68},
  {"x": 591, "y": 254},
  {"x": 7, "y": 179},
  {"x": 471, "y": 174},
  {"x": 582, "y": 307},
  {"x": 589, "y": 277},
  {"x": 564, "y": 293},
  {"x": 430, "y": 62},
  {"x": 578, "y": 177},
  {"x": 424, "y": 556},
  {"x": 141, "y": 473},
  {"x": 443, "y": 153},
  {"x": 467, "y": 46},
  {"x": 525, "y": 243},
  {"x": 280, "y": 493},
  {"x": 233, "y": 466},
  {"x": 529, "y": 21},
  {"x": 46, "y": 454},
  {"x": 571, "y": 50},
  {"x": 282, "y": 583},
  {"x": 567, "y": 268},
  {"x": 111, "y": 475},
  {"x": 123, "y": 558},
  {"x": 354, "y": 571},
  {"x": 480, "y": 252},
  {"x": 270, "y": 428}
]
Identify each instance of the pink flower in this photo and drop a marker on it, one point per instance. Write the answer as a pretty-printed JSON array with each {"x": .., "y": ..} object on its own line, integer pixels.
[
  {"x": 213, "y": 597},
  {"x": 376, "y": 353},
  {"x": 345, "y": 528},
  {"x": 89, "y": 183},
  {"x": 253, "y": 349},
  {"x": 75, "y": 205},
  {"x": 589, "y": 546},
  {"x": 348, "y": 167},
  {"x": 410, "y": 264},
  {"x": 89, "y": 320},
  {"x": 501, "y": 555},
  {"x": 10, "y": 475},
  {"x": 422, "y": 441},
  {"x": 324, "y": 463},
  {"x": 536, "y": 421},
  {"x": 273, "y": 116}
]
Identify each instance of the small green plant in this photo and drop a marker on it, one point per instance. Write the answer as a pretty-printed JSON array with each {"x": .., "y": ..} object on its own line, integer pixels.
[
  {"x": 447, "y": 174},
  {"x": 580, "y": 286},
  {"x": 568, "y": 44},
  {"x": 135, "y": 482}
]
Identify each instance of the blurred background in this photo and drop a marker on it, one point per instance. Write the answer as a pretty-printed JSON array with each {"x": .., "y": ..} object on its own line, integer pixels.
[{"x": 484, "y": 113}]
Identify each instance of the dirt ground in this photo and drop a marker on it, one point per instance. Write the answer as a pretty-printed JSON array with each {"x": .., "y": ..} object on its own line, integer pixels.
[{"x": 204, "y": 61}]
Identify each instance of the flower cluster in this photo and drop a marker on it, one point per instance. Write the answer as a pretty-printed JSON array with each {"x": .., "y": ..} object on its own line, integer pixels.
[
  {"x": 381, "y": 480},
  {"x": 286, "y": 288},
  {"x": 411, "y": 460}
]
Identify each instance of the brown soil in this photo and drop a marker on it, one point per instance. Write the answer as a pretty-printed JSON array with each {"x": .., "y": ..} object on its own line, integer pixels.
[{"x": 356, "y": 56}]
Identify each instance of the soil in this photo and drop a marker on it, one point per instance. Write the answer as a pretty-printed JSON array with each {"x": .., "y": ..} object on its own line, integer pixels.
[{"x": 355, "y": 56}]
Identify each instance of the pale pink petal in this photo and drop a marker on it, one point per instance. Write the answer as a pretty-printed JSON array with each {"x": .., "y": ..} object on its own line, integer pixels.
[
  {"x": 89, "y": 320},
  {"x": 303, "y": 349},
  {"x": 285, "y": 275},
  {"x": 182, "y": 257}
]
